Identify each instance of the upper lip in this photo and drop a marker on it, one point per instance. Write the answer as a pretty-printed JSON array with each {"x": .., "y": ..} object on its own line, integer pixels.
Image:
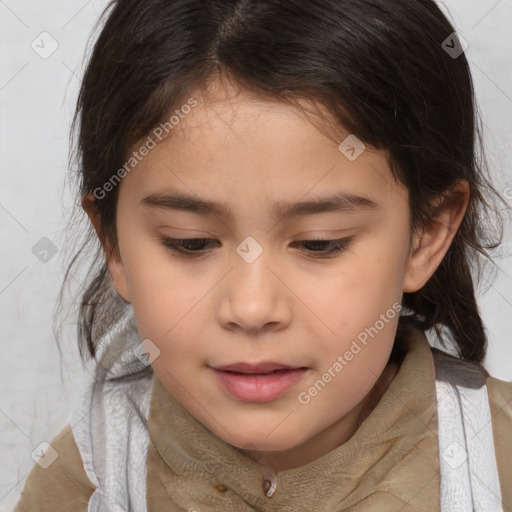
[{"x": 265, "y": 367}]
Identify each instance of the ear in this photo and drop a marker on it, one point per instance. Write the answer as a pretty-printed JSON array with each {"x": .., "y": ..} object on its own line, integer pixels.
[
  {"x": 114, "y": 262},
  {"x": 431, "y": 243}
]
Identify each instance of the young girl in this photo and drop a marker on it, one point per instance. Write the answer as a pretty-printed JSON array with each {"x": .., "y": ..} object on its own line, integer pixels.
[{"x": 288, "y": 197}]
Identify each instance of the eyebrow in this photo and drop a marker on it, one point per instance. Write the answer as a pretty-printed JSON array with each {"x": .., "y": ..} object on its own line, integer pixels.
[{"x": 342, "y": 202}]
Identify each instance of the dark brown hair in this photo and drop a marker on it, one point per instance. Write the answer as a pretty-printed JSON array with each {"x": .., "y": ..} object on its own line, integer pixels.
[{"x": 380, "y": 67}]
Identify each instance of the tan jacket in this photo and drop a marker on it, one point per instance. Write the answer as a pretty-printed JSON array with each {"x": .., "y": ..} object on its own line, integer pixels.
[{"x": 390, "y": 463}]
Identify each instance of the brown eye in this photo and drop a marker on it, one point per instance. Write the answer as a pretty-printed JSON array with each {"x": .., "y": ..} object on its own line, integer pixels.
[
  {"x": 325, "y": 248},
  {"x": 186, "y": 246}
]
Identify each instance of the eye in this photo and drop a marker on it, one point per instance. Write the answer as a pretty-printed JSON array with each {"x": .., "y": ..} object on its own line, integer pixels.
[
  {"x": 327, "y": 248},
  {"x": 185, "y": 246},
  {"x": 318, "y": 248}
]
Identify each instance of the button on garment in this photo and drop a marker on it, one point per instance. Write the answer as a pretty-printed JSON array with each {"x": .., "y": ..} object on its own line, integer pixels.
[{"x": 269, "y": 482}]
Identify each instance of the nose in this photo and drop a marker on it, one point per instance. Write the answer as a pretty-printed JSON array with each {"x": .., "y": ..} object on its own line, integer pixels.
[{"x": 254, "y": 297}]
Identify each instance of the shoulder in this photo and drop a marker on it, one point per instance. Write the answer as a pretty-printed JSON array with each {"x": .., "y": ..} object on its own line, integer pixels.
[
  {"x": 63, "y": 485},
  {"x": 500, "y": 392},
  {"x": 456, "y": 371},
  {"x": 473, "y": 375},
  {"x": 500, "y": 401},
  {"x": 465, "y": 373}
]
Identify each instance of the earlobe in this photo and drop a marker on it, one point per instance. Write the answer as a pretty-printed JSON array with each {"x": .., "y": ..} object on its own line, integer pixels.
[
  {"x": 114, "y": 263},
  {"x": 118, "y": 273},
  {"x": 417, "y": 271},
  {"x": 89, "y": 206},
  {"x": 430, "y": 245}
]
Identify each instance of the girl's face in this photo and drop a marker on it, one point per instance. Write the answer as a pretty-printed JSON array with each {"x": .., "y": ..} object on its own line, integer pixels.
[{"x": 255, "y": 291}]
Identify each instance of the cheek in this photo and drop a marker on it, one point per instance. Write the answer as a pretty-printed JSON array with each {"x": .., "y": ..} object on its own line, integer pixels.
[
  {"x": 166, "y": 299},
  {"x": 168, "y": 313},
  {"x": 354, "y": 295}
]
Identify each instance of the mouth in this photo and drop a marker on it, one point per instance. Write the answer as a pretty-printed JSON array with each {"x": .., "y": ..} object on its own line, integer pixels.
[
  {"x": 258, "y": 383},
  {"x": 256, "y": 374},
  {"x": 265, "y": 368}
]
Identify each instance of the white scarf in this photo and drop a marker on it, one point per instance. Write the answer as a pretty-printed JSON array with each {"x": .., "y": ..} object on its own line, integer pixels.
[
  {"x": 112, "y": 436},
  {"x": 469, "y": 475}
]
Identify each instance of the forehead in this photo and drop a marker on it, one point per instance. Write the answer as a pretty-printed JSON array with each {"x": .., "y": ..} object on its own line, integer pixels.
[
  {"x": 225, "y": 110},
  {"x": 231, "y": 146}
]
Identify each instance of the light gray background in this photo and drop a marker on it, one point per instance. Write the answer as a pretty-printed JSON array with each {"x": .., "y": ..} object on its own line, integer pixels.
[{"x": 36, "y": 102}]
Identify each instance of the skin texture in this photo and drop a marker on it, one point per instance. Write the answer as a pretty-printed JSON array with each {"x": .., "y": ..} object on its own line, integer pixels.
[{"x": 290, "y": 305}]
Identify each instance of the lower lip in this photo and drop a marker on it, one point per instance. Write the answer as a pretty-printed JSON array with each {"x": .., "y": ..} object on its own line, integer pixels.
[{"x": 258, "y": 387}]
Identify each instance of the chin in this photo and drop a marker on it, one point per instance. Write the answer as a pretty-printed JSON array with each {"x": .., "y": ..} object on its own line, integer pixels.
[{"x": 260, "y": 441}]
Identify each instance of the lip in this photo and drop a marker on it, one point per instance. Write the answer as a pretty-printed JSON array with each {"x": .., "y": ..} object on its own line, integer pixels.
[
  {"x": 264, "y": 367},
  {"x": 258, "y": 387}
]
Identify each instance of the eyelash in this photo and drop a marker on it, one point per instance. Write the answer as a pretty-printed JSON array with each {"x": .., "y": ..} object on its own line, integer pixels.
[{"x": 337, "y": 246}]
